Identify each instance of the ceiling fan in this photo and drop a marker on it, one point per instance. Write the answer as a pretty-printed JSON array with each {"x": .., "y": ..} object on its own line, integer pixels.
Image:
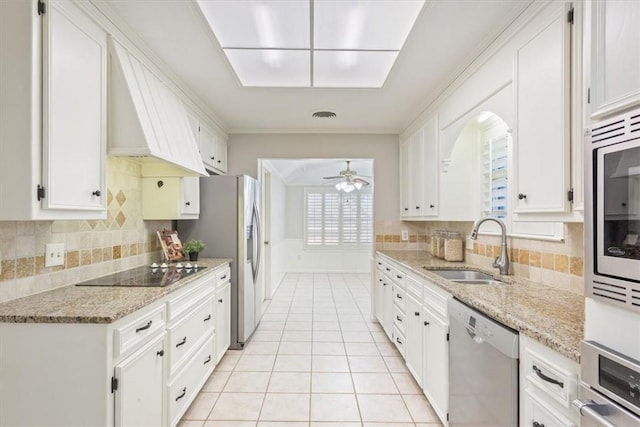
[{"x": 348, "y": 180}]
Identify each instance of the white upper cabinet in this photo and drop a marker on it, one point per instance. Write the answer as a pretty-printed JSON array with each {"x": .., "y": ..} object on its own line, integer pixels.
[
  {"x": 542, "y": 147},
  {"x": 615, "y": 56},
  {"x": 53, "y": 76},
  {"x": 419, "y": 173},
  {"x": 171, "y": 197},
  {"x": 213, "y": 147}
]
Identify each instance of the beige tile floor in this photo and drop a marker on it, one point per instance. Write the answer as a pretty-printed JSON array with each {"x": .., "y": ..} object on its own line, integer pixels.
[{"x": 315, "y": 360}]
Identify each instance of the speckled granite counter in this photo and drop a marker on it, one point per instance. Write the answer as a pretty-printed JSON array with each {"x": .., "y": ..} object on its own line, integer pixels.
[
  {"x": 549, "y": 315},
  {"x": 92, "y": 304}
]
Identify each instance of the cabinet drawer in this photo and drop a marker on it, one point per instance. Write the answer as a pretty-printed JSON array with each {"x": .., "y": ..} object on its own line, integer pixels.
[
  {"x": 436, "y": 300},
  {"x": 541, "y": 413},
  {"x": 398, "y": 277},
  {"x": 399, "y": 340},
  {"x": 399, "y": 298},
  {"x": 138, "y": 331},
  {"x": 186, "y": 334},
  {"x": 184, "y": 388},
  {"x": 399, "y": 319},
  {"x": 559, "y": 384},
  {"x": 414, "y": 287},
  {"x": 223, "y": 276},
  {"x": 182, "y": 303}
]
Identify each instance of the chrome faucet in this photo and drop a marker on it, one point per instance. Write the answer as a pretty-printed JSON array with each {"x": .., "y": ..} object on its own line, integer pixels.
[{"x": 502, "y": 262}]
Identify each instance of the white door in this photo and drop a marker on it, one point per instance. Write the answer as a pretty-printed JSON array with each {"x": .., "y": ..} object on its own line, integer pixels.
[
  {"x": 266, "y": 232},
  {"x": 74, "y": 114},
  {"x": 430, "y": 171},
  {"x": 190, "y": 203},
  {"x": 414, "y": 332},
  {"x": 435, "y": 379},
  {"x": 138, "y": 398}
]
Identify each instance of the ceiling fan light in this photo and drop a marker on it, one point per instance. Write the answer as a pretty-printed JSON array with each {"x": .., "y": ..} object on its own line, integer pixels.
[
  {"x": 339, "y": 186},
  {"x": 358, "y": 185},
  {"x": 348, "y": 187}
]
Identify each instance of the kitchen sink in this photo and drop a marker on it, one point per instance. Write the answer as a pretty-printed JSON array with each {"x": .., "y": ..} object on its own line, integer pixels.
[{"x": 468, "y": 277}]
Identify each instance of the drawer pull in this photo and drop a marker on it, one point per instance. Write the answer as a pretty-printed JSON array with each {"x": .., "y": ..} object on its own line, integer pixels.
[
  {"x": 379, "y": 280},
  {"x": 398, "y": 318},
  {"x": 546, "y": 378},
  {"x": 537, "y": 424},
  {"x": 399, "y": 296},
  {"x": 207, "y": 318},
  {"x": 220, "y": 300},
  {"x": 223, "y": 277},
  {"x": 398, "y": 276},
  {"x": 416, "y": 313},
  {"x": 398, "y": 341},
  {"x": 379, "y": 263},
  {"x": 384, "y": 284},
  {"x": 184, "y": 392},
  {"x": 142, "y": 328},
  {"x": 426, "y": 323},
  {"x": 160, "y": 353},
  {"x": 388, "y": 269},
  {"x": 184, "y": 341},
  {"x": 209, "y": 360}
]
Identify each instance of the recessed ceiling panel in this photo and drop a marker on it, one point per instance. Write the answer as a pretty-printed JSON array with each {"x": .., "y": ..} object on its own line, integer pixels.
[
  {"x": 282, "y": 24},
  {"x": 381, "y": 24},
  {"x": 270, "y": 67},
  {"x": 348, "y": 68}
]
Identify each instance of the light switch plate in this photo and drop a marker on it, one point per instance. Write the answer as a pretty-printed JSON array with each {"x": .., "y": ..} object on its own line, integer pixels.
[
  {"x": 404, "y": 235},
  {"x": 53, "y": 254}
]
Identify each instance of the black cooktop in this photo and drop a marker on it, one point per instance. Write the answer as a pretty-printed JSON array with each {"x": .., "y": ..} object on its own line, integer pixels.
[{"x": 144, "y": 277}]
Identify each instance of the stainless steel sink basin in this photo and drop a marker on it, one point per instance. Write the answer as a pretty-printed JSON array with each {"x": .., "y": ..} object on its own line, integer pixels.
[{"x": 468, "y": 277}]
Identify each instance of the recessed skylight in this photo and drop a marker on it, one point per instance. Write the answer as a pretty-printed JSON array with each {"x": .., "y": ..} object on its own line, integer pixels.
[{"x": 311, "y": 43}]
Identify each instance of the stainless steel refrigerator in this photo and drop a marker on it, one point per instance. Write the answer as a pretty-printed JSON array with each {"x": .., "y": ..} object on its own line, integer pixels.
[{"x": 229, "y": 225}]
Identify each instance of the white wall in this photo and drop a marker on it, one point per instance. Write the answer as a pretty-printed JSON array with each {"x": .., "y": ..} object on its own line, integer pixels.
[
  {"x": 295, "y": 212},
  {"x": 244, "y": 150}
]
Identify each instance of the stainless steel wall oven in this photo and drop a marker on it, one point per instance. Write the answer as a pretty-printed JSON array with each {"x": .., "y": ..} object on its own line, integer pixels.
[{"x": 612, "y": 210}]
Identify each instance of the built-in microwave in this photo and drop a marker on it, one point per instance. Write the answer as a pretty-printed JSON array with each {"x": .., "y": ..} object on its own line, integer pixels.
[{"x": 612, "y": 210}]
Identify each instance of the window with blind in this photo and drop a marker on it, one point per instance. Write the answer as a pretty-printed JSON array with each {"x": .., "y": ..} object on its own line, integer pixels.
[{"x": 338, "y": 220}]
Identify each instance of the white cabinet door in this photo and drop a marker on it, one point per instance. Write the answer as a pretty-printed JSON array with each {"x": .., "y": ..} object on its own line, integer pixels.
[
  {"x": 405, "y": 179},
  {"x": 221, "y": 154},
  {"x": 542, "y": 67},
  {"x": 430, "y": 171},
  {"x": 419, "y": 172},
  {"x": 435, "y": 379},
  {"x": 138, "y": 398},
  {"x": 208, "y": 147},
  {"x": 379, "y": 295},
  {"x": 223, "y": 320},
  {"x": 190, "y": 202},
  {"x": 615, "y": 56},
  {"x": 387, "y": 306},
  {"x": 413, "y": 345},
  {"x": 74, "y": 109}
]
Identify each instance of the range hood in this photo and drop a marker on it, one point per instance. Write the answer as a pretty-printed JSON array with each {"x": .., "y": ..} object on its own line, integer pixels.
[{"x": 147, "y": 120}]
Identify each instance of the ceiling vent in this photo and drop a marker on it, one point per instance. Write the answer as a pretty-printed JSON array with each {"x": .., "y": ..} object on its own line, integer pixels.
[{"x": 324, "y": 114}]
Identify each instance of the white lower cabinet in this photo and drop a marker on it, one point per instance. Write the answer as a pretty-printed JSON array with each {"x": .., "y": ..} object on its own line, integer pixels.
[
  {"x": 435, "y": 371},
  {"x": 548, "y": 386},
  {"x": 414, "y": 348},
  {"x": 414, "y": 314},
  {"x": 144, "y": 369},
  {"x": 223, "y": 318},
  {"x": 139, "y": 395}
]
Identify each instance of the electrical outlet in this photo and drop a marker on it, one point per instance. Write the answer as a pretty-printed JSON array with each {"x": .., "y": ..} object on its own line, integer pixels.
[
  {"x": 470, "y": 243},
  {"x": 404, "y": 235},
  {"x": 53, "y": 254}
]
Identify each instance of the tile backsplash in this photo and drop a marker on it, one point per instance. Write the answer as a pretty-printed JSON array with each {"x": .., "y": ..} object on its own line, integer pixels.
[
  {"x": 92, "y": 248},
  {"x": 558, "y": 264}
]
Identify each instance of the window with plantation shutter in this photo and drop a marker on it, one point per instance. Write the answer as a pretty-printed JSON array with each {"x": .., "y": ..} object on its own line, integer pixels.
[{"x": 338, "y": 220}]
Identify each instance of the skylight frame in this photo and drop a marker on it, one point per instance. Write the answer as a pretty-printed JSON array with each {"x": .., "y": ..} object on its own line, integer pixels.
[{"x": 354, "y": 40}]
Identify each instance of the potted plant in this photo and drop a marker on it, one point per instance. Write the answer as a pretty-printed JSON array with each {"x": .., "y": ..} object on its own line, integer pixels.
[{"x": 193, "y": 247}]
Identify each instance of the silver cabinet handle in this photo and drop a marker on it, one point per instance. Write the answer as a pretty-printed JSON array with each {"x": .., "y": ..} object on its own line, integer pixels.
[
  {"x": 546, "y": 378},
  {"x": 593, "y": 410}
]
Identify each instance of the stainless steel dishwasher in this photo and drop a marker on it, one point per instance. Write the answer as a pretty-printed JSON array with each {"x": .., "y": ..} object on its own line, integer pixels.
[{"x": 483, "y": 370}]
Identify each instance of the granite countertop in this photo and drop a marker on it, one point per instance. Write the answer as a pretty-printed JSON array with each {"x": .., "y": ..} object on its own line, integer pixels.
[
  {"x": 92, "y": 304},
  {"x": 549, "y": 315}
]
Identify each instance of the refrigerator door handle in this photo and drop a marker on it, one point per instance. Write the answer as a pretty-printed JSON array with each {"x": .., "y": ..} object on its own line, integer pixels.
[{"x": 255, "y": 261}]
